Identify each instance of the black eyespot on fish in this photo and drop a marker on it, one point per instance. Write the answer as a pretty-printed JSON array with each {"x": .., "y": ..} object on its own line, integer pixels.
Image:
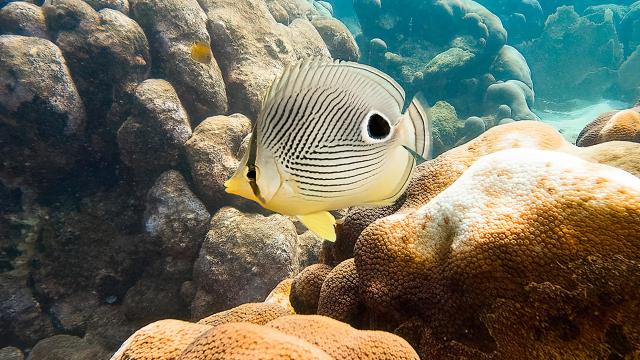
[
  {"x": 251, "y": 174},
  {"x": 377, "y": 127}
]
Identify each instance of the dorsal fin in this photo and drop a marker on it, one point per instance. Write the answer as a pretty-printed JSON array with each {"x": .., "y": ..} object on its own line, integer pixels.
[{"x": 379, "y": 89}]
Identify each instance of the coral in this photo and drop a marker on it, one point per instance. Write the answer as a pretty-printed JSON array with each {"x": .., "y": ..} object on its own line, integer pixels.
[
  {"x": 340, "y": 296},
  {"x": 444, "y": 49},
  {"x": 286, "y": 337},
  {"x": 341, "y": 341},
  {"x": 523, "y": 19},
  {"x": 152, "y": 139},
  {"x": 623, "y": 125},
  {"x": 628, "y": 77},
  {"x": 469, "y": 246},
  {"x": 251, "y": 56},
  {"x": 255, "y": 313},
  {"x": 173, "y": 27},
  {"x": 445, "y": 125},
  {"x": 305, "y": 289},
  {"x": 574, "y": 58},
  {"x": 40, "y": 109},
  {"x": 339, "y": 41},
  {"x": 213, "y": 154},
  {"x": 11, "y": 353},
  {"x": 436, "y": 175},
  {"x": 513, "y": 93},
  {"x": 281, "y": 295},
  {"x": 161, "y": 340},
  {"x": 22, "y": 18}
]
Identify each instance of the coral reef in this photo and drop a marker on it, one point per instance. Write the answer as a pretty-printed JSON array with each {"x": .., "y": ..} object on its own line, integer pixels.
[
  {"x": 491, "y": 245},
  {"x": 445, "y": 50},
  {"x": 115, "y": 145},
  {"x": 241, "y": 337},
  {"x": 623, "y": 125}
]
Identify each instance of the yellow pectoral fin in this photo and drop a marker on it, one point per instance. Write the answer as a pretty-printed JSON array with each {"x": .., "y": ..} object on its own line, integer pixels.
[{"x": 322, "y": 223}]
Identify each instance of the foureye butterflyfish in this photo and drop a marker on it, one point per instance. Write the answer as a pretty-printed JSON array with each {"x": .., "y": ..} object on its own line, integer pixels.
[{"x": 331, "y": 135}]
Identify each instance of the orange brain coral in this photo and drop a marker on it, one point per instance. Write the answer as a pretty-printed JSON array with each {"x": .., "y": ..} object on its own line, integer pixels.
[
  {"x": 471, "y": 261},
  {"x": 238, "y": 334},
  {"x": 432, "y": 177},
  {"x": 616, "y": 125}
]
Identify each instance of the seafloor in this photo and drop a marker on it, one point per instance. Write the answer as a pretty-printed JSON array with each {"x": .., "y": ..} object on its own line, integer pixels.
[{"x": 519, "y": 240}]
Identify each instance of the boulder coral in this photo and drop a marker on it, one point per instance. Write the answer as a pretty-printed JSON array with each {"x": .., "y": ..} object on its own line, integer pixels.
[
  {"x": 512, "y": 232},
  {"x": 436, "y": 175},
  {"x": 444, "y": 49},
  {"x": 284, "y": 337},
  {"x": 623, "y": 125},
  {"x": 490, "y": 245}
]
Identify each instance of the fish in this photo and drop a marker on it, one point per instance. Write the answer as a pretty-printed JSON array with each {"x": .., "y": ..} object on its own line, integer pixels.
[
  {"x": 331, "y": 135},
  {"x": 201, "y": 52}
]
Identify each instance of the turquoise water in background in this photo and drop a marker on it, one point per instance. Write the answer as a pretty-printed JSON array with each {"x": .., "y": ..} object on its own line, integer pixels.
[{"x": 583, "y": 55}]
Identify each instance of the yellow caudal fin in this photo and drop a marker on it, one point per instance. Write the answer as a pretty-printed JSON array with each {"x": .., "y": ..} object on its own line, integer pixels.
[{"x": 322, "y": 223}]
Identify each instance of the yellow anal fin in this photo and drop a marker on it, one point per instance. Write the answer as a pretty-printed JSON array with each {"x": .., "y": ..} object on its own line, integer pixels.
[{"x": 322, "y": 223}]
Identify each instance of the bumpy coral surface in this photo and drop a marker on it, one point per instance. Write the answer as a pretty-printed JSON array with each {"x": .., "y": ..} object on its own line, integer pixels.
[
  {"x": 235, "y": 336},
  {"x": 616, "y": 125}
]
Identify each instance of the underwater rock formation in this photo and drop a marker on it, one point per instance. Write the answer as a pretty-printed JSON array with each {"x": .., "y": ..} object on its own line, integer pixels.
[
  {"x": 623, "y": 125},
  {"x": 574, "y": 57},
  {"x": 443, "y": 49},
  {"x": 22, "y": 18},
  {"x": 523, "y": 19},
  {"x": 42, "y": 117},
  {"x": 153, "y": 137},
  {"x": 172, "y": 27}
]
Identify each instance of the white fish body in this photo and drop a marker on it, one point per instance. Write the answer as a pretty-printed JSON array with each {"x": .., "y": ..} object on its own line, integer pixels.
[{"x": 330, "y": 135}]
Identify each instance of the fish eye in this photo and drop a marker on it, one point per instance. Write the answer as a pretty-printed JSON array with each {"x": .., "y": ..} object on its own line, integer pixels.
[
  {"x": 251, "y": 174},
  {"x": 378, "y": 127}
]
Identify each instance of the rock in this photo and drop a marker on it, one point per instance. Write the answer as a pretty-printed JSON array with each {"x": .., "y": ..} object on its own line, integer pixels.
[
  {"x": 11, "y": 353},
  {"x": 242, "y": 258},
  {"x": 622, "y": 125},
  {"x": 251, "y": 56},
  {"x": 93, "y": 246},
  {"x": 120, "y": 5},
  {"x": 74, "y": 312},
  {"x": 22, "y": 18},
  {"x": 291, "y": 337},
  {"x": 107, "y": 53},
  {"x": 310, "y": 248},
  {"x": 62, "y": 347},
  {"x": 151, "y": 299},
  {"x": 21, "y": 316},
  {"x": 628, "y": 76},
  {"x": 174, "y": 217},
  {"x": 108, "y": 327},
  {"x": 41, "y": 107},
  {"x": 574, "y": 57},
  {"x": 213, "y": 153},
  {"x": 444, "y": 122},
  {"x": 339, "y": 40},
  {"x": 511, "y": 65},
  {"x": 513, "y": 93},
  {"x": 173, "y": 27},
  {"x": 152, "y": 139}
]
